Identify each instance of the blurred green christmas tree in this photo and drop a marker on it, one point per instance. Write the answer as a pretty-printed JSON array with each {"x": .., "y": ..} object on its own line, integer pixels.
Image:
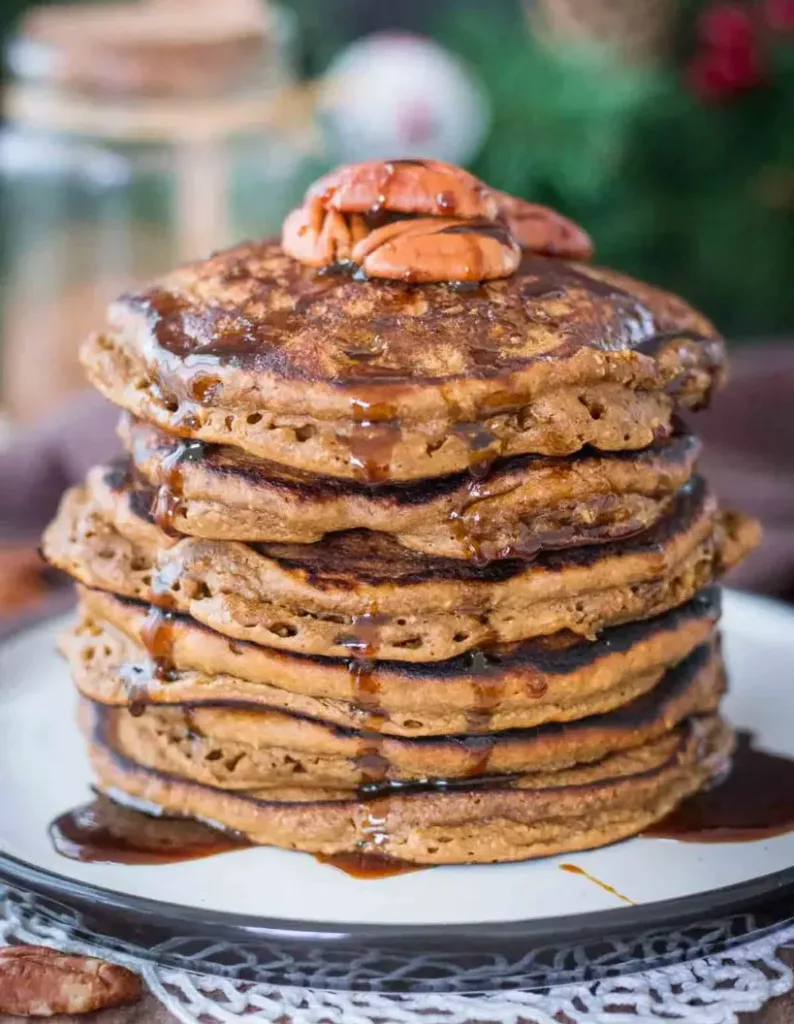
[
  {"x": 665, "y": 126},
  {"x": 680, "y": 162}
]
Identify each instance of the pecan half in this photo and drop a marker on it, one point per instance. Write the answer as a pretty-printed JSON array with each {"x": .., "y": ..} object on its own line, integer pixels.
[
  {"x": 319, "y": 237},
  {"x": 383, "y": 214},
  {"x": 423, "y": 188},
  {"x": 36, "y": 981},
  {"x": 542, "y": 230},
  {"x": 433, "y": 249}
]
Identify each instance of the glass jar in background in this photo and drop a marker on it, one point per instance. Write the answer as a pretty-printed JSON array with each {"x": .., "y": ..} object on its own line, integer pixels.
[{"x": 138, "y": 135}]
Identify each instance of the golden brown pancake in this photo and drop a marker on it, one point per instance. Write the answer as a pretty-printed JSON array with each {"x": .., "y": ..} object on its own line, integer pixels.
[
  {"x": 241, "y": 749},
  {"x": 550, "y": 679},
  {"x": 526, "y": 504},
  {"x": 531, "y": 815},
  {"x": 363, "y": 594},
  {"x": 415, "y": 569},
  {"x": 387, "y": 381}
]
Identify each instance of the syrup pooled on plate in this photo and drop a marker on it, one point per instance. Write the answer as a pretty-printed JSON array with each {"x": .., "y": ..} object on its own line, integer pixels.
[
  {"x": 368, "y": 865},
  {"x": 103, "y": 832},
  {"x": 754, "y": 801}
]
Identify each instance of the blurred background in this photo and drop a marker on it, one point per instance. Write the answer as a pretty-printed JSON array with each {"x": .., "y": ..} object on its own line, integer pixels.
[
  {"x": 139, "y": 134},
  {"x": 143, "y": 133}
]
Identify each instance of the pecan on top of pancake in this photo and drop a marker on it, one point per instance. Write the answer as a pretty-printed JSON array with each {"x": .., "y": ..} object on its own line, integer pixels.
[
  {"x": 422, "y": 221},
  {"x": 542, "y": 230},
  {"x": 424, "y": 188}
]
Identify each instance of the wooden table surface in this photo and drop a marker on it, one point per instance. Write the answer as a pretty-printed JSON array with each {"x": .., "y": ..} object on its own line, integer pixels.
[{"x": 149, "y": 1011}]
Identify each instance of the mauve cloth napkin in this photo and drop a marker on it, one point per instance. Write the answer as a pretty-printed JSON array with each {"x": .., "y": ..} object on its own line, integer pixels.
[
  {"x": 37, "y": 464},
  {"x": 749, "y": 435}
]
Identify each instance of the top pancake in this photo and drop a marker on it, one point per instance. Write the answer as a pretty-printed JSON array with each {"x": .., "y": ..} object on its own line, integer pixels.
[{"x": 392, "y": 381}]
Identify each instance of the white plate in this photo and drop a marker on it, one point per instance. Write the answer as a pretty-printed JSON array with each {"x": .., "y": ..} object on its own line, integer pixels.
[{"x": 44, "y": 771}]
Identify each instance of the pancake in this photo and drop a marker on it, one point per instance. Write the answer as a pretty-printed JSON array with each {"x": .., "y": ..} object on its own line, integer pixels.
[
  {"x": 363, "y": 594},
  {"x": 235, "y": 748},
  {"x": 550, "y": 679},
  {"x": 388, "y": 381},
  {"x": 407, "y": 554},
  {"x": 526, "y": 504},
  {"x": 532, "y": 815}
]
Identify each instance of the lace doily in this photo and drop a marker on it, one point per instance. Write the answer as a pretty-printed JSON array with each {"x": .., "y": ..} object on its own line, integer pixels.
[{"x": 713, "y": 990}]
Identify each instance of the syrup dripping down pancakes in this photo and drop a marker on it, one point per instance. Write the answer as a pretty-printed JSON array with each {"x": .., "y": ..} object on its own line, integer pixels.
[{"x": 408, "y": 555}]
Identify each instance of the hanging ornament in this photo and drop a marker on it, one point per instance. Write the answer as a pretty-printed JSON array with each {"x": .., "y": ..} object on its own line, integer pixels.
[
  {"x": 729, "y": 61},
  {"x": 716, "y": 75},
  {"x": 726, "y": 26},
  {"x": 779, "y": 15},
  {"x": 399, "y": 94}
]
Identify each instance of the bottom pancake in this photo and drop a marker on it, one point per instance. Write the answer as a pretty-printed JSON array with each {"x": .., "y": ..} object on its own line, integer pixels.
[{"x": 494, "y": 819}]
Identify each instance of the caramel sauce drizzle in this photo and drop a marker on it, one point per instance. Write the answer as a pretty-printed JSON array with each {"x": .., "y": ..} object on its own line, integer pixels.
[
  {"x": 484, "y": 446},
  {"x": 574, "y": 869},
  {"x": 375, "y": 434},
  {"x": 364, "y": 644},
  {"x": 157, "y": 637},
  {"x": 479, "y": 749},
  {"x": 168, "y": 498},
  {"x": 488, "y": 692},
  {"x": 489, "y": 688},
  {"x": 465, "y": 526}
]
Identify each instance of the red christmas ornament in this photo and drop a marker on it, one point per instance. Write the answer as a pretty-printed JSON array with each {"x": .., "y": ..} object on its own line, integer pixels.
[
  {"x": 715, "y": 75},
  {"x": 730, "y": 59},
  {"x": 779, "y": 15},
  {"x": 727, "y": 26}
]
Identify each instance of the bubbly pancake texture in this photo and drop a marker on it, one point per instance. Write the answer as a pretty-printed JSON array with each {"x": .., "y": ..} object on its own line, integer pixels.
[
  {"x": 408, "y": 554},
  {"x": 362, "y": 594},
  {"x": 115, "y": 658},
  {"x": 532, "y": 815},
  {"x": 389, "y": 381},
  {"x": 526, "y": 503},
  {"x": 237, "y": 748}
]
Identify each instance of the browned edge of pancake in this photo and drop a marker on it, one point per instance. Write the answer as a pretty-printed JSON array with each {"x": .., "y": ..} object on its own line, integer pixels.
[
  {"x": 526, "y": 504},
  {"x": 240, "y": 749},
  {"x": 556, "y": 678},
  {"x": 411, "y": 608},
  {"x": 605, "y": 803}
]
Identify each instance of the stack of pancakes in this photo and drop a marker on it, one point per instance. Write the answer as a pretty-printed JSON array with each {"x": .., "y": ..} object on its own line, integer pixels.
[{"x": 420, "y": 569}]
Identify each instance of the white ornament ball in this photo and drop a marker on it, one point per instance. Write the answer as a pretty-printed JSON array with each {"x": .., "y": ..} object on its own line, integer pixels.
[{"x": 399, "y": 95}]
